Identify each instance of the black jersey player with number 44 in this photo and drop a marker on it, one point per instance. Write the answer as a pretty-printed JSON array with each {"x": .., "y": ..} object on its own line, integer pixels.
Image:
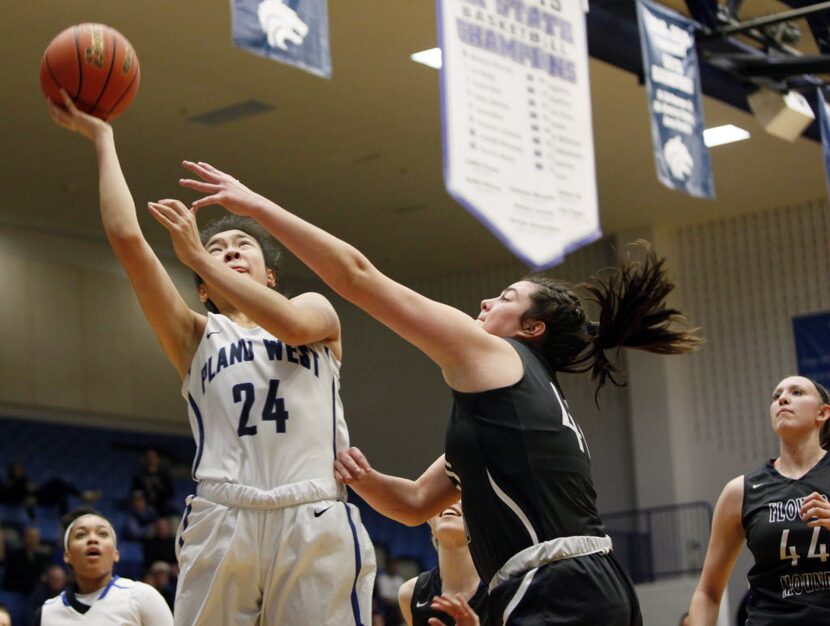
[{"x": 781, "y": 509}]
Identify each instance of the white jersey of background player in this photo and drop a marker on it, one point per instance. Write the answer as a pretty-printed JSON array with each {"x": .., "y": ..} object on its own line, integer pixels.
[
  {"x": 97, "y": 597},
  {"x": 268, "y": 538}
]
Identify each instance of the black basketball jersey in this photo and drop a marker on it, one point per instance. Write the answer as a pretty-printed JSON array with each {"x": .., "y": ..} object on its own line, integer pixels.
[
  {"x": 427, "y": 586},
  {"x": 790, "y": 581},
  {"x": 523, "y": 466}
]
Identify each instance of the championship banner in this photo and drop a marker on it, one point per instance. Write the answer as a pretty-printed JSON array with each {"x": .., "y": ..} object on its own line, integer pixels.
[
  {"x": 670, "y": 66},
  {"x": 812, "y": 346},
  {"x": 824, "y": 121},
  {"x": 516, "y": 115},
  {"x": 295, "y": 32}
]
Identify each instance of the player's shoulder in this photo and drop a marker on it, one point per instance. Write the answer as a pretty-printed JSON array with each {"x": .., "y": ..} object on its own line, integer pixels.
[
  {"x": 139, "y": 587},
  {"x": 312, "y": 299},
  {"x": 406, "y": 590},
  {"x": 731, "y": 498},
  {"x": 734, "y": 488}
]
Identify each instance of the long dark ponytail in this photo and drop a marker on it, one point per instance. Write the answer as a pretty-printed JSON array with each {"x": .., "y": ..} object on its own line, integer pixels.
[{"x": 632, "y": 313}]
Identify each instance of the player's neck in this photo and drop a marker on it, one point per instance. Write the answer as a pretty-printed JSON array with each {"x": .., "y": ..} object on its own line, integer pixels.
[
  {"x": 797, "y": 458},
  {"x": 91, "y": 585},
  {"x": 458, "y": 574},
  {"x": 240, "y": 319}
]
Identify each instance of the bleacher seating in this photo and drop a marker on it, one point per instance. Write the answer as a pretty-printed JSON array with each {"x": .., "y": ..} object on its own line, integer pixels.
[
  {"x": 16, "y": 603},
  {"x": 106, "y": 460}
]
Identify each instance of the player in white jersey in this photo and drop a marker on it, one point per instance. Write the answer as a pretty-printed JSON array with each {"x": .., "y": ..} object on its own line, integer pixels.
[
  {"x": 268, "y": 539},
  {"x": 98, "y": 598}
]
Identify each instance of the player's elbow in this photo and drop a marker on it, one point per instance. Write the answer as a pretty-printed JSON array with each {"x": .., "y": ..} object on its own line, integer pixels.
[
  {"x": 706, "y": 598},
  {"x": 355, "y": 275},
  {"x": 124, "y": 241}
]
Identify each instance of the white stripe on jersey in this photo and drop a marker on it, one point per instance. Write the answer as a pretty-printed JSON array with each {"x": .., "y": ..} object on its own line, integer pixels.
[
  {"x": 513, "y": 507},
  {"x": 263, "y": 413}
]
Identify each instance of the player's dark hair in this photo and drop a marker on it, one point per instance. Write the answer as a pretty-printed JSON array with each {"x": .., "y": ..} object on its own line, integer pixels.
[
  {"x": 632, "y": 313},
  {"x": 824, "y": 434},
  {"x": 271, "y": 250},
  {"x": 80, "y": 511},
  {"x": 69, "y": 519}
]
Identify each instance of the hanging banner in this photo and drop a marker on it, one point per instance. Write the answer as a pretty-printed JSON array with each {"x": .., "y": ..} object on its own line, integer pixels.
[
  {"x": 670, "y": 66},
  {"x": 824, "y": 121},
  {"x": 295, "y": 32},
  {"x": 812, "y": 346},
  {"x": 516, "y": 114}
]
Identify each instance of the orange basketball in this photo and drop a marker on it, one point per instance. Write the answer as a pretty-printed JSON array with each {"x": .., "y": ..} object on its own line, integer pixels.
[{"x": 97, "y": 67}]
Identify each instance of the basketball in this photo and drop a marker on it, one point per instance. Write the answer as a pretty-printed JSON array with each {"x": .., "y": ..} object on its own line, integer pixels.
[{"x": 97, "y": 67}]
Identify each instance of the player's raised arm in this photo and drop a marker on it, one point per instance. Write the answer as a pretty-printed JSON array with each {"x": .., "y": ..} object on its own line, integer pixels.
[
  {"x": 307, "y": 318},
  {"x": 177, "y": 327},
  {"x": 451, "y": 338}
]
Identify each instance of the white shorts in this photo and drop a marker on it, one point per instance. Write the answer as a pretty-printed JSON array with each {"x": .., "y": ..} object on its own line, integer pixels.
[{"x": 286, "y": 557}]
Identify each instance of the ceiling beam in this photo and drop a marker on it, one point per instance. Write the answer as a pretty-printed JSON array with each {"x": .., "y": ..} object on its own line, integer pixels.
[{"x": 613, "y": 37}]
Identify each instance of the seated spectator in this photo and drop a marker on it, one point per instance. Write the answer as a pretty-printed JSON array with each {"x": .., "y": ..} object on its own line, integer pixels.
[
  {"x": 56, "y": 491},
  {"x": 156, "y": 482},
  {"x": 5, "y": 616},
  {"x": 161, "y": 546},
  {"x": 389, "y": 581},
  {"x": 378, "y": 608},
  {"x": 17, "y": 489},
  {"x": 160, "y": 577},
  {"x": 51, "y": 584},
  {"x": 25, "y": 566},
  {"x": 140, "y": 519}
]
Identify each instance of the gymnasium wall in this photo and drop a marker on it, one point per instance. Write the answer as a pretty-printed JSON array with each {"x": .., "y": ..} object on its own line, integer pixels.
[
  {"x": 75, "y": 346},
  {"x": 701, "y": 420},
  {"x": 74, "y": 343},
  {"x": 398, "y": 404}
]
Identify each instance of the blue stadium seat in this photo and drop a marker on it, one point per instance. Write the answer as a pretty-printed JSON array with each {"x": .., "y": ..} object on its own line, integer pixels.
[
  {"x": 16, "y": 603},
  {"x": 14, "y": 516}
]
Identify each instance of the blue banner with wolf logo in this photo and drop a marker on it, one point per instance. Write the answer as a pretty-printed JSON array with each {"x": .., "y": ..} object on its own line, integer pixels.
[
  {"x": 824, "y": 122},
  {"x": 812, "y": 346},
  {"x": 670, "y": 67},
  {"x": 295, "y": 32}
]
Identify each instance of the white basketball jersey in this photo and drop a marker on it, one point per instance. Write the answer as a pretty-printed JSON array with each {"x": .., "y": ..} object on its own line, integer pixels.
[
  {"x": 123, "y": 601},
  {"x": 263, "y": 413}
]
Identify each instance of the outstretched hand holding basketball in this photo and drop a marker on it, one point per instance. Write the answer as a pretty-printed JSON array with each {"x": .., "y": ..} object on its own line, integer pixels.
[
  {"x": 73, "y": 119},
  {"x": 222, "y": 189},
  {"x": 96, "y": 65}
]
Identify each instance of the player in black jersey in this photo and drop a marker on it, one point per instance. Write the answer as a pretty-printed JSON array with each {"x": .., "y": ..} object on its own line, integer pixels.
[
  {"x": 455, "y": 575},
  {"x": 781, "y": 510},
  {"x": 512, "y": 446}
]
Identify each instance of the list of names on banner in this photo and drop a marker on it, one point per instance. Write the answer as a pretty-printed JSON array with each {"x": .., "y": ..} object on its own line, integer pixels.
[{"x": 517, "y": 118}]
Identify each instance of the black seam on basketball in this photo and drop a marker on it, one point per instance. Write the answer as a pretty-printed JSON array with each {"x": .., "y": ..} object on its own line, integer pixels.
[
  {"x": 126, "y": 91},
  {"x": 52, "y": 74},
  {"x": 80, "y": 64},
  {"x": 109, "y": 74}
]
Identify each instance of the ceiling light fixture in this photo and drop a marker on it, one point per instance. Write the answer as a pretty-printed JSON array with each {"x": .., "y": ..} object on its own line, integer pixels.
[
  {"x": 430, "y": 58},
  {"x": 720, "y": 135}
]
